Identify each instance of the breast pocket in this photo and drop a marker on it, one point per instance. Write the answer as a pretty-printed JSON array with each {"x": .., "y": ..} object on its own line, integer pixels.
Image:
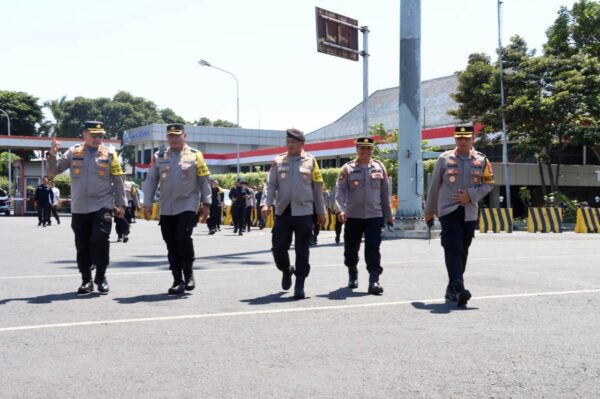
[
  {"x": 306, "y": 174},
  {"x": 164, "y": 170},
  {"x": 355, "y": 181},
  {"x": 188, "y": 170},
  {"x": 451, "y": 175},
  {"x": 376, "y": 179}
]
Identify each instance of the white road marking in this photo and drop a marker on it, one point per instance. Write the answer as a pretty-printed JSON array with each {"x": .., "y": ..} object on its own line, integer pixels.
[
  {"x": 281, "y": 311},
  {"x": 340, "y": 264}
]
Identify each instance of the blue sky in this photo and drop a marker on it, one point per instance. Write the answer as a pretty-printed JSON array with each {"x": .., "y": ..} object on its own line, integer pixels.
[{"x": 151, "y": 49}]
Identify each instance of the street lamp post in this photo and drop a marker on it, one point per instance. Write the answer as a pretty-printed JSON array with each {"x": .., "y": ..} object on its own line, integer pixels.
[
  {"x": 503, "y": 105},
  {"x": 9, "y": 154},
  {"x": 237, "y": 91}
]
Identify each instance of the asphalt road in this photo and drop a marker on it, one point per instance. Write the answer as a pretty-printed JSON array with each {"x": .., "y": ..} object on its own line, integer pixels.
[{"x": 532, "y": 329}]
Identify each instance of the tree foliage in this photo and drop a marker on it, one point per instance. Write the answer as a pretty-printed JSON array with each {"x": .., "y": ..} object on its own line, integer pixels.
[
  {"x": 552, "y": 100},
  {"x": 24, "y": 112}
]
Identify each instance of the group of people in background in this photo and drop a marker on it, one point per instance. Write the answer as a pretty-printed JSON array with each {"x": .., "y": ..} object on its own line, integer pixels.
[{"x": 47, "y": 199}]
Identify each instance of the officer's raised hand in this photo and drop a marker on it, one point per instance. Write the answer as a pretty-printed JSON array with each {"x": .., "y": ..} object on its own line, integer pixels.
[{"x": 265, "y": 211}]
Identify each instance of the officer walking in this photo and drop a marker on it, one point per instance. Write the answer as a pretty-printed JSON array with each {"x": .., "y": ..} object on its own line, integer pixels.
[
  {"x": 123, "y": 225},
  {"x": 44, "y": 197},
  {"x": 183, "y": 177},
  {"x": 460, "y": 179},
  {"x": 215, "y": 206},
  {"x": 363, "y": 200},
  {"x": 96, "y": 192},
  {"x": 296, "y": 181},
  {"x": 238, "y": 195}
]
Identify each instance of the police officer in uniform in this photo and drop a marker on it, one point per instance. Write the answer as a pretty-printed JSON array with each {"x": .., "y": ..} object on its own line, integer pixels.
[
  {"x": 96, "y": 192},
  {"x": 123, "y": 225},
  {"x": 362, "y": 201},
  {"x": 460, "y": 179},
  {"x": 238, "y": 195},
  {"x": 215, "y": 206},
  {"x": 296, "y": 181},
  {"x": 183, "y": 177}
]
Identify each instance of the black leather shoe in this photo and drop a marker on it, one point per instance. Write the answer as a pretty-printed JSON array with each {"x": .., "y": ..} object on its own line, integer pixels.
[
  {"x": 125, "y": 238},
  {"x": 286, "y": 279},
  {"x": 119, "y": 239},
  {"x": 299, "y": 288},
  {"x": 235, "y": 230},
  {"x": 337, "y": 240},
  {"x": 178, "y": 288},
  {"x": 190, "y": 283},
  {"x": 86, "y": 287},
  {"x": 375, "y": 288},
  {"x": 211, "y": 232},
  {"x": 103, "y": 286},
  {"x": 450, "y": 295},
  {"x": 240, "y": 233},
  {"x": 462, "y": 295},
  {"x": 353, "y": 282}
]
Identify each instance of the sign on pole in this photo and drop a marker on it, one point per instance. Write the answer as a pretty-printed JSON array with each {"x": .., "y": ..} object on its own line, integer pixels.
[{"x": 337, "y": 35}]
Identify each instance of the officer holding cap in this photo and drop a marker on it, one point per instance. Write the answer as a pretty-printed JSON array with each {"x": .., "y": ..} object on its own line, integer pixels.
[
  {"x": 362, "y": 201},
  {"x": 96, "y": 191},
  {"x": 296, "y": 181},
  {"x": 183, "y": 177},
  {"x": 460, "y": 179}
]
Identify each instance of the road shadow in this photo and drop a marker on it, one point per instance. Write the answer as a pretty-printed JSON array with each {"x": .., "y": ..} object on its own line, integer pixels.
[
  {"x": 45, "y": 299},
  {"x": 271, "y": 298},
  {"x": 151, "y": 298},
  {"x": 441, "y": 308},
  {"x": 343, "y": 293}
]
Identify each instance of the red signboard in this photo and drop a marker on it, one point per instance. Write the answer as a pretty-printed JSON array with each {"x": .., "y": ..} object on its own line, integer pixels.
[{"x": 337, "y": 35}]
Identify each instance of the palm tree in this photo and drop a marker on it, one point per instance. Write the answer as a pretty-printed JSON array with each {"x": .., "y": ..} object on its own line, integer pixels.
[{"x": 57, "y": 107}]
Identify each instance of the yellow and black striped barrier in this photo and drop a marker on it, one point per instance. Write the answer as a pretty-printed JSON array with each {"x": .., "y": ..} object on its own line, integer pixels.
[
  {"x": 544, "y": 220},
  {"x": 588, "y": 220},
  {"x": 495, "y": 220}
]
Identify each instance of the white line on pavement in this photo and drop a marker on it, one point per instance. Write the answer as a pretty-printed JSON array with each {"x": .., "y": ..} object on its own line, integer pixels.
[
  {"x": 280, "y": 311},
  {"x": 405, "y": 262}
]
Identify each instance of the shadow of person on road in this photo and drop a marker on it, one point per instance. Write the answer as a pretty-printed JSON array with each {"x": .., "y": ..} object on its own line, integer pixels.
[
  {"x": 343, "y": 293},
  {"x": 271, "y": 298},
  {"x": 150, "y": 298},
  {"x": 45, "y": 299},
  {"x": 440, "y": 308}
]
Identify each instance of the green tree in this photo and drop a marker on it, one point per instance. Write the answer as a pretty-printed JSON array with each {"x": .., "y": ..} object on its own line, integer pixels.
[
  {"x": 169, "y": 116},
  {"x": 203, "y": 121},
  {"x": 24, "y": 112}
]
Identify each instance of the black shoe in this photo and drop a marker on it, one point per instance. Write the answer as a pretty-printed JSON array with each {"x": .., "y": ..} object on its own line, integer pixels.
[
  {"x": 44, "y": 225},
  {"x": 299, "y": 288},
  {"x": 218, "y": 228},
  {"x": 125, "y": 238},
  {"x": 286, "y": 279},
  {"x": 462, "y": 295},
  {"x": 337, "y": 240},
  {"x": 39, "y": 224},
  {"x": 353, "y": 281},
  {"x": 375, "y": 288},
  {"x": 450, "y": 295},
  {"x": 57, "y": 221},
  {"x": 190, "y": 283},
  {"x": 235, "y": 230},
  {"x": 87, "y": 286},
  {"x": 240, "y": 233},
  {"x": 119, "y": 239},
  {"x": 211, "y": 232},
  {"x": 178, "y": 288},
  {"x": 103, "y": 286},
  {"x": 299, "y": 293}
]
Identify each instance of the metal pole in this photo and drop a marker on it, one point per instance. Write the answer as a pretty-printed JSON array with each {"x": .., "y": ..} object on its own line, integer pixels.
[
  {"x": 365, "y": 55},
  {"x": 502, "y": 105},
  {"x": 237, "y": 91},
  {"x": 410, "y": 163},
  {"x": 9, "y": 156}
]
